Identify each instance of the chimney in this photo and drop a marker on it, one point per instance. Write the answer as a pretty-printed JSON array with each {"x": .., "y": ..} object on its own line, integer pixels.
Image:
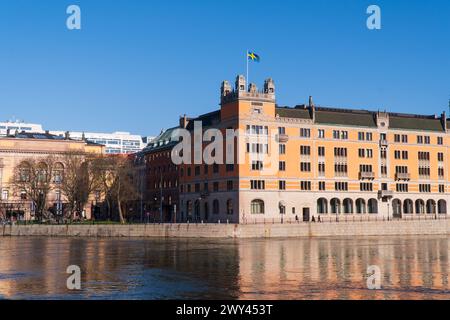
[
  {"x": 444, "y": 121},
  {"x": 312, "y": 109},
  {"x": 67, "y": 135},
  {"x": 184, "y": 121}
]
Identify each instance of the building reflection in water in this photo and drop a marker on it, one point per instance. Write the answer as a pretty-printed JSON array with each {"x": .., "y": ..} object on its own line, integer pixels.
[{"x": 412, "y": 268}]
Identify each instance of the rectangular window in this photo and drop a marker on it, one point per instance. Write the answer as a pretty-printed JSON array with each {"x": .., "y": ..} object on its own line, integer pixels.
[
  {"x": 305, "y": 150},
  {"x": 441, "y": 188},
  {"x": 305, "y": 133},
  {"x": 229, "y": 185},
  {"x": 282, "y": 185},
  {"x": 402, "y": 187},
  {"x": 321, "y": 134},
  {"x": 305, "y": 185},
  {"x": 257, "y": 165},
  {"x": 257, "y": 184},
  {"x": 321, "y": 151},
  {"x": 361, "y": 136},
  {"x": 321, "y": 168},
  {"x": 440, "y": 140},
  {"x": 282, "y": 166},
  {"x": 396, "y": 138},
  {"x": 305, "y": 166},
  {"x": 322, "y": 185},
  {"x": 216, "y": 187},
  {"x": 282, "y": 148},
  {"x": 341, "y": 186}
]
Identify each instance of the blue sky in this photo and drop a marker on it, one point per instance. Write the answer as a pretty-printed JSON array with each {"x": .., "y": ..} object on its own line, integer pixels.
[{"x": 137, "y": 65}]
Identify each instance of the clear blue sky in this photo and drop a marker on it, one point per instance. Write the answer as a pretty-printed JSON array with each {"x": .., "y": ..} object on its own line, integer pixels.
[{"x": 137, "y": 65}]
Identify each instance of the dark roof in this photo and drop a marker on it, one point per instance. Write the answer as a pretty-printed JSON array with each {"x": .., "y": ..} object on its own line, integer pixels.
[
  {"x": 161, "y": 142},
  {"x": 207, "y": 119},
  {"x": 32, "y": 135},
  {"x": 359, "y": 118},
  {"x": 428, "y": 123},
  {"x": 363, "y": 118}
]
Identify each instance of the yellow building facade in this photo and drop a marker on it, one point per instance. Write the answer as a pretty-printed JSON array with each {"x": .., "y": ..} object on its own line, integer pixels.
[
  {"x": 19, "y": 147},
  {"x": 304, "y": 161}
]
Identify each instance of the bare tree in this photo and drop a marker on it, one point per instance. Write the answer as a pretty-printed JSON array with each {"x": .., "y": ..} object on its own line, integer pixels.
[
  {"x": 32, "y": 179},
  {"x": 117, "y": 180},
  {"x": 79, "y": 180}
]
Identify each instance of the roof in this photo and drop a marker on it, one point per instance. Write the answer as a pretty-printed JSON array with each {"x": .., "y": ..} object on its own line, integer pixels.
[
  {"x": 363, "y": 118},
  {"x": 32, "y": 135},
  {"x": 207, "y": 119},
  {"x": 161, "y": 142}
]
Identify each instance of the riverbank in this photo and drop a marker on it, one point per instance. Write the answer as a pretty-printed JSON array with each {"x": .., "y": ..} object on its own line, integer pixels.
[{"x": 295, "y": 230}]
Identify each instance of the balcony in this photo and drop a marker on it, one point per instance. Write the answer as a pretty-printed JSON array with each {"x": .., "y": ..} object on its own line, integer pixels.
[
  {"x": 383, "y": 143},
  {"x": 282, "y": 138},
  {"x": 366, "y": 175},
  {"x": 385, "y": 194},
  {"x": 402, "y": 176}
]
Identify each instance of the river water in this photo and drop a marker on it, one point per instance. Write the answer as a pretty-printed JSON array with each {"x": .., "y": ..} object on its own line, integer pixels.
[{"x": 411, "y": 268}]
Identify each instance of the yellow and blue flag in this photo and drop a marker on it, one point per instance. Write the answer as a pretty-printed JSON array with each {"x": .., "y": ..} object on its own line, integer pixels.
[{"x": 253, "y": 56}]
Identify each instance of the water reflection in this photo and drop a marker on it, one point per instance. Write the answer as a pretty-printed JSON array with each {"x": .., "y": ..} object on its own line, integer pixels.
[{"x": 412, "y": 268}]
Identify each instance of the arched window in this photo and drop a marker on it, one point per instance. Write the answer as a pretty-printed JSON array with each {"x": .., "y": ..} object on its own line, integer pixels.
[
  {"x": 216, "y": 206},
  {"x": 348, "y": 205},
  {"x": 24, "y": 172},
  {"x": 360, "y": 206},
  {"x": 408, "y": 206},
  {"x": 442, "y": 207},
  {"x": 282, "y": 207},
  {"x": 42, "y": 172},
  {"x": 322, "y": 206},
  {"x": 372, "y": 206},
  {"x": 431, "y": 206},
  {"x": 58, "y": 173},
  {"x": 229, "y": 207},
  {"x": 420, "y": 206},
  {"x": 397, "y": 207},
  {"x": 257, "y": 206},
  {"x": 335, "y": 206}
]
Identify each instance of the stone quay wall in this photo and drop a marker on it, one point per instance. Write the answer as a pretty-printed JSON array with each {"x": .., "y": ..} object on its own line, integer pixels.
[{"x": 294, "y": 230}]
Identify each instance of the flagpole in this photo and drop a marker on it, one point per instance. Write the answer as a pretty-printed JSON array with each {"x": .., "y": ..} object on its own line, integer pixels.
[{"x": 246, "y": 58}]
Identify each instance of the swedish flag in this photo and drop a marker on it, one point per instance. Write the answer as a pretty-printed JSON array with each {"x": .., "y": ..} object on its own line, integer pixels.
[{"x": 253, "y": 56}]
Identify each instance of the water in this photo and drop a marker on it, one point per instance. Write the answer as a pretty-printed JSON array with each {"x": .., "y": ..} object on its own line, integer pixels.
[{"x": 412, "y": 268}]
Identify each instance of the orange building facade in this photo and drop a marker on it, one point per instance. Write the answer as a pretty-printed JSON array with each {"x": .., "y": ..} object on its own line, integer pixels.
[{"x": 296, "y": 163}]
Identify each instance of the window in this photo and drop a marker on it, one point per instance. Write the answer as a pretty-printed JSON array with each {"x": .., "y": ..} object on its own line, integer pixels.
[
  {"x": 405, "y": 155},
  {"x": 305, "y": 150},
  {"x": 341, "y": 186},
  {"x": 257, "y": 165},
  {"x": 366, "y": 186},
  {"x": 384, "y": 170},
  {"x": 321, "y": 151},
  {"x": 340, "y": 169},
  {"x": 229, "y": 207},
  {"x": 420, "y": 139},
  {"x": 305, "y": 133},
  {"x": 282, "y": 148},
  {"x": 282, "y": 185},
  {"x": 424, "y": 172},
  {"x": 361, "y": 136},
  {"x": 230, "y": 167},
  {"x": 440, "y": 156},
  {"x": 257, "y": 184},
  {"x": 197, "y": 170},
  {"x": 340, "y": 152},
  {"x": 216, "y": 187},
  {"x": 427, "y": 139},
  {"x": 305, "y": 166},
  {"x": 215, "y": 168},
  {"x": 396, "y": 138},
  {"x": 197, "y": 187},
  {"x": 397, "y": 154},
  {"x": 205, "y": 169},
  {"x": 440, "y": 140},
  {"x": 305, "y": 185},
  {"x": 281, "y": 130},
  {"x": 441, "y": 173},
  {"x": 5, "y": 195},
  {"x": 424, "y": 156},
  {"x": 321, "y": 134},
  {"x": 282, "y": 166},
  {"x": 189, "y": 172},
  {"x": 369, "y": 136},
  {"x": 402, "y": 187},
  {"x": 229, "y": 185},
  {"x": 257, "y": 207},
  {"x": 321, "y": 168},
  {"x": 425, "y": 188},
  {"x": 441, "y": 188},
  {"x": 361, "y": 153},
  {"x": 404, "y": 138},
  {"x": 322, "y": 185}
]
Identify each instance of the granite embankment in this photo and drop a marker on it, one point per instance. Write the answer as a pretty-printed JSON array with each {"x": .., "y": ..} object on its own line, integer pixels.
[{"x": 299, "y": 230}]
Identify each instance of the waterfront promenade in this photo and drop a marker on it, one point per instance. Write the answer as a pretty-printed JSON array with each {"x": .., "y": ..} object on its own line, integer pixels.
[{"x": 223, "y": 230}]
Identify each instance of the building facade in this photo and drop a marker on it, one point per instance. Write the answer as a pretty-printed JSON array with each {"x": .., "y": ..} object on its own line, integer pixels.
[
  {"x": 10, "y": 127},
  {"x": 25, "y": 146},
  {"x": 304, "y": 161},
  {"x": 115, "y": 143}
]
